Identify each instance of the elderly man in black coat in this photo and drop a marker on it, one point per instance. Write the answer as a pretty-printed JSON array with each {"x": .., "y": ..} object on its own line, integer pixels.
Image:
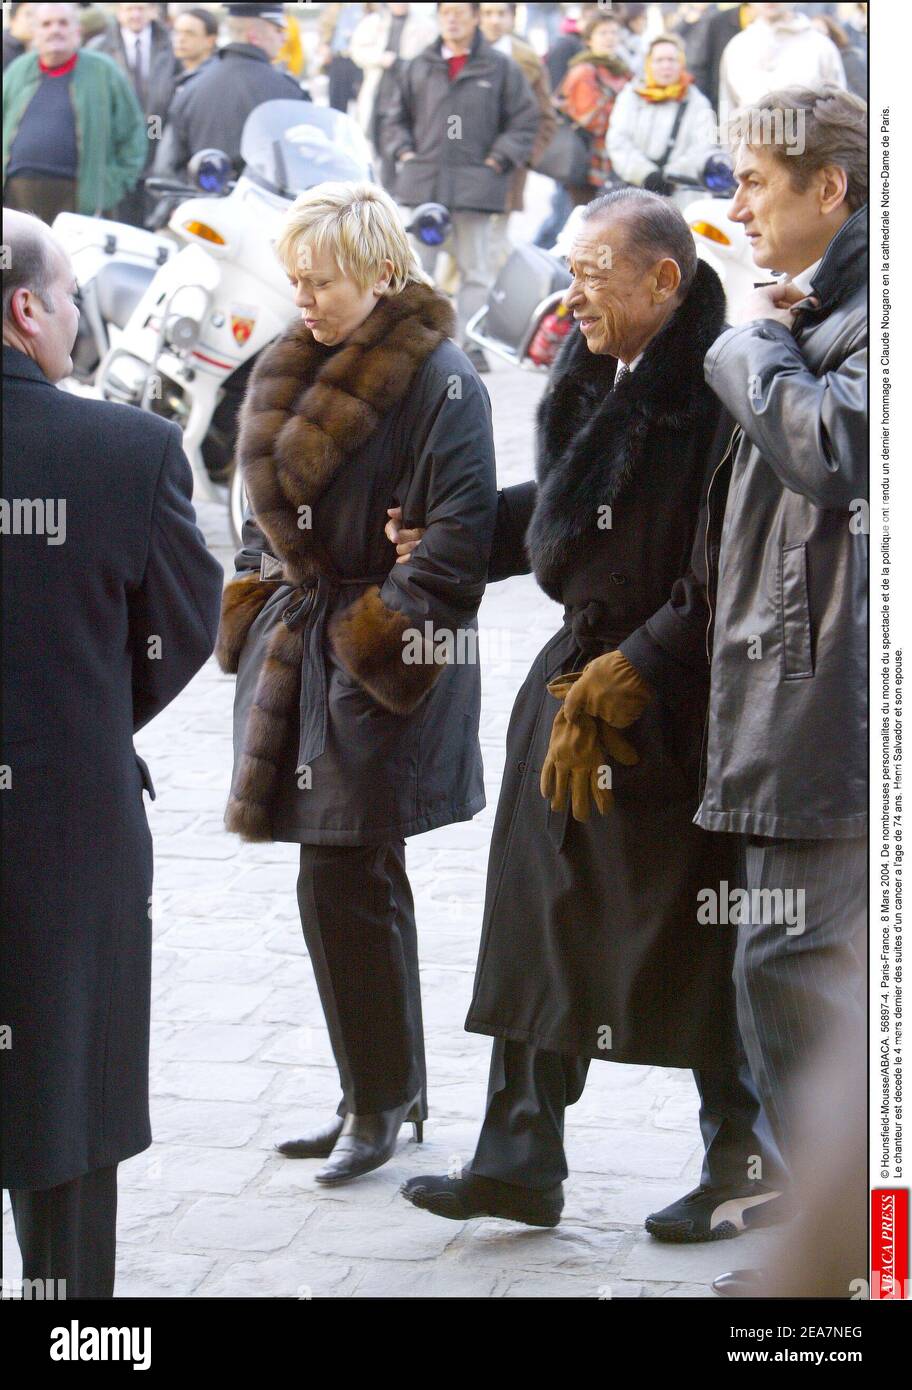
[
  {"x": 110, "y": 605},
  {"x": 593, "y": 943}
]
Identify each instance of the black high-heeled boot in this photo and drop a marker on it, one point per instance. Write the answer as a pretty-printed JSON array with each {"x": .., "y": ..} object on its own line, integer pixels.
[
  {"x": 318, "y": 1144},
  {"x": 369, "y": 1141}
]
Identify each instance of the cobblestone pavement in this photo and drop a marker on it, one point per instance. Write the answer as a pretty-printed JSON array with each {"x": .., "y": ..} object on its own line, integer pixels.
[{"x": 240, "y": 1057}]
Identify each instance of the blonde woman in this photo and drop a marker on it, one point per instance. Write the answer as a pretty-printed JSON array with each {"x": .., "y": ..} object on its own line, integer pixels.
[{"x": 356, "y": 717}]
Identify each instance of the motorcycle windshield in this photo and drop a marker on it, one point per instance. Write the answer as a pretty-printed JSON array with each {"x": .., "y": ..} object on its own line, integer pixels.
[{"x": 292, "y": 145}]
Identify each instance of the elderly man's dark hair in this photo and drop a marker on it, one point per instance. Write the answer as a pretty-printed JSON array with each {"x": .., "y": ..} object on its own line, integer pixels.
[
  {"x": 656, "y": 228},
  {"x": 32, "y": 265}
]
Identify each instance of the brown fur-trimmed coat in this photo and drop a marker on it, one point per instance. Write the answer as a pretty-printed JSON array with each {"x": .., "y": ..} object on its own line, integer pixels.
[{"x": 339, "y": 738}]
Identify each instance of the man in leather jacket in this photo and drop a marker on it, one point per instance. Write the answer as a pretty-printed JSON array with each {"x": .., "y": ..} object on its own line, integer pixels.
[{"x": 778, "y": 595}]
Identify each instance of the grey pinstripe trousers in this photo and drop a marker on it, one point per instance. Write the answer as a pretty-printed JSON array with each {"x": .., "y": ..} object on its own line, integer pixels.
[{"x": 799, "y": 992}]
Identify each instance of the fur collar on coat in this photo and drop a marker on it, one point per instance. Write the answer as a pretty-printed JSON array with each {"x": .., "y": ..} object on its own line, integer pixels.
[
  {"x": 592, "y": 440},
  {"x": 308, "y": 408}
]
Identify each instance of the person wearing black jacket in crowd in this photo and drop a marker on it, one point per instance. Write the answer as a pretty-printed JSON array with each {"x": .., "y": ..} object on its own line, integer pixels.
[
  {"x": 570, "y": 42},
  {"x": 194, "y": 35},
  {"x": 709, "y": 41},
  {"x": 212, "y": 106},
  {"x": 140, "y": 45},
  {"x": 462, "y": 119},
  {"x": 18, "y": 35}
]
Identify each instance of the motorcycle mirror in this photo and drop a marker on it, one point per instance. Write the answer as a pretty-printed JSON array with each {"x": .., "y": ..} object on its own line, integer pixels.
[
  {"x": 430, "y": 224},
  {"x": 211, "y": 170}
]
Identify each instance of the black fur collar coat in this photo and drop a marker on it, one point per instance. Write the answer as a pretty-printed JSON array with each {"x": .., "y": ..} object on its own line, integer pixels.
[
  {"x": 642, "y": 444},
  {"x": 590, "y": 942}
]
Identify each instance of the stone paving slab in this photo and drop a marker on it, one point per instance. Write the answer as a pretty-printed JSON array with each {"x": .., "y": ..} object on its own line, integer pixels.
[{"x": 240, "y": 1057}]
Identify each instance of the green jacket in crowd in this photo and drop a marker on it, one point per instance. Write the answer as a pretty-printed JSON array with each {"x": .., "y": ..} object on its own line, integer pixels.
[{"x": 110, "y": 126}]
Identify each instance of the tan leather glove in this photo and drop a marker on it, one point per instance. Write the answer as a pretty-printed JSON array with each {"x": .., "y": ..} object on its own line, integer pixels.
[
  {"x": 575, "y": 760},
  {"x": 609, "y": 689}
]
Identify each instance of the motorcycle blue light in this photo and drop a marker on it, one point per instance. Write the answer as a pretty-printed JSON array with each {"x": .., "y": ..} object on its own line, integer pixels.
[{"x": 211, "y": 170}]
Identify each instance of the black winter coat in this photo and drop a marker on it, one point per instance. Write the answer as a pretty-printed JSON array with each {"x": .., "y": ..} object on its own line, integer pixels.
[
  {"x": 99, "y": 634},
  {"x": 489, "y": 110},
  {"x": 210, "y": 108},
  {"x": 339, "y": 737},
  {"x": 782, "y": 557},
  {"x": 714, "y": 32},
  {"x": 591, "y": 943}
]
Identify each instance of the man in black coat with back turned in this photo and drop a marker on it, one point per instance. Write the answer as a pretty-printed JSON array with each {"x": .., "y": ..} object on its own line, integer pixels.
[{"x": 110, "y": 606}]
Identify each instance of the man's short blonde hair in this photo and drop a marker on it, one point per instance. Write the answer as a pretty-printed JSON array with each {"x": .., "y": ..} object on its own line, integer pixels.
[{"x": 359, "y": 225}]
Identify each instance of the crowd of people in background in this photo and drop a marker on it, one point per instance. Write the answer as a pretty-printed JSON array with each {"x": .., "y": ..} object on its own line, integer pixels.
[{"x": 97, "y": 98}]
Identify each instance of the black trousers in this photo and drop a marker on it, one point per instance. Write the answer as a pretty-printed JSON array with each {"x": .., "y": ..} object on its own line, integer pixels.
[
  {"x": 358, "y": 920},
  {"x": 69, "y": 1233},
  {"x": 522, "y": 1138}
]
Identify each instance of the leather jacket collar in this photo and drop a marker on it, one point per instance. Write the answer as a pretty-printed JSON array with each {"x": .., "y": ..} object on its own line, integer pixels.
[{"x": 844, "y": 266}]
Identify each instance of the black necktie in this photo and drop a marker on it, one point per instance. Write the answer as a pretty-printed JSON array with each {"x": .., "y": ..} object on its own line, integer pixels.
[
  {"x": 622, "y": 372},
  {"x": 138, "y": 82}
]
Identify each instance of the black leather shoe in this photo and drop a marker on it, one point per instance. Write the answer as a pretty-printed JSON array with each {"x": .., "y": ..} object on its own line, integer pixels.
[
  {"x": 740, "y": 1283},
  {"x": 367, "y": 1142},
  {"x": 717, "y": 1213},
  {"x": 459, "y": 1199},
  {"x": 319, "y": 1144}
]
